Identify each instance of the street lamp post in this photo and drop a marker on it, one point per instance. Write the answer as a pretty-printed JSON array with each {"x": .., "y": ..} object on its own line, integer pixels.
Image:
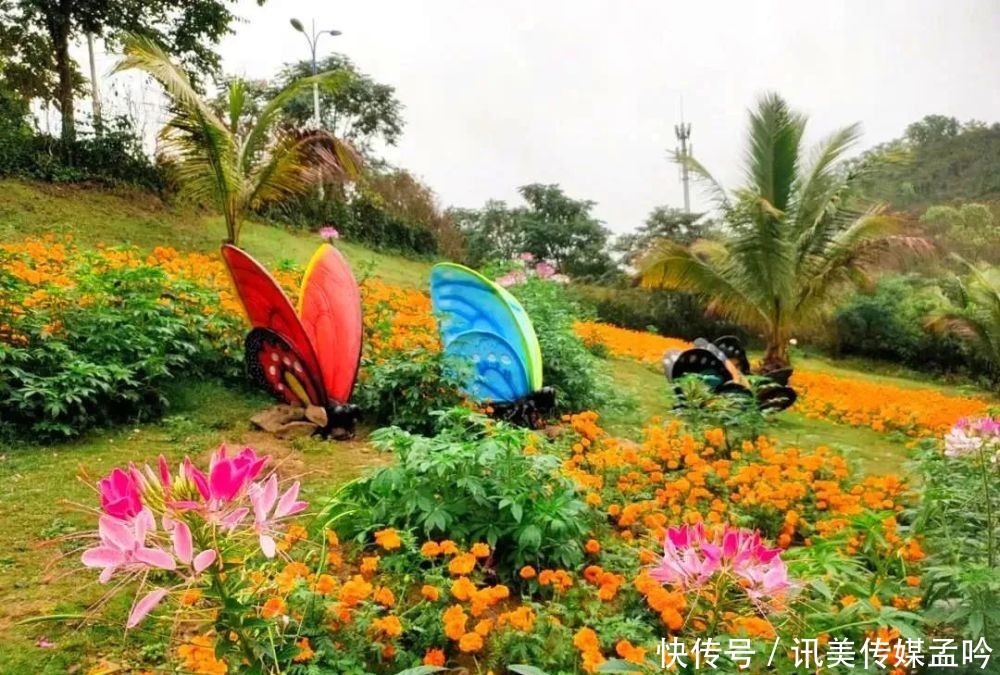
[{"x": 312, "y": 38}]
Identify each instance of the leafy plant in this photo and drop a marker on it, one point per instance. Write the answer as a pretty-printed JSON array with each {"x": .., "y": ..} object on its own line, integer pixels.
[
  {"x": 977, "y": 318},
  {"x": 794, "y": 241},
  {"x": 472, "y": 482},
  {"x": 579, "y": 378},
  {"x": 238, "y": 166}
]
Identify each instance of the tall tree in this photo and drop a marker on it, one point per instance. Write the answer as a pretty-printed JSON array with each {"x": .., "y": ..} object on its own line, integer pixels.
[
  {"x": 491, "y": 233},
  {"x": 794, "y": 243},
  {"x": 560, "y": 228},
  {"x": 360, "y": 110},
  {"x": 663, "y": 222},
  {"x": 239, "y": 166},
  {"x": 190, "y": 29}
]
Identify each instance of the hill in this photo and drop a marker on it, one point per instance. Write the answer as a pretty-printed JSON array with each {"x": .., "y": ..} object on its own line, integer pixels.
[
  {"x": 937, "y": 161},
  {"x": 94, "y": 215}
]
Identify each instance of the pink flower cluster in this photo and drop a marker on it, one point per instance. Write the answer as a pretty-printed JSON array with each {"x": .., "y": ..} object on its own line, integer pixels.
[
  {"x": 193, "y": 507},
  {"x": 970, "y": 436},
  {"x": 543, "y": 269},
  {"x": 692, "y": 557},
  {"x": 329, "y": 233}
]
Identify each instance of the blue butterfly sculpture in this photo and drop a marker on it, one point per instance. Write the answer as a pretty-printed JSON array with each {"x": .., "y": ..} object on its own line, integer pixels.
[
  {"x": 724, "y": 365},
  {"x": 485, "y": 330}
]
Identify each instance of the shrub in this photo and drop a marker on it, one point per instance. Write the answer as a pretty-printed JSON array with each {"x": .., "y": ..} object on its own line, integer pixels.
[
  {"x": 579, "y": 378},
  {"x": 358, "y": 218},
  {"x": 889, "y": 324},
  {"x": 116, "y": 157},
  {"x": 96, "y": 341},
  {"x": 959, "y": 516},
  {"x": 472, "y": 482},
  {"x": 669, "y": 313}
]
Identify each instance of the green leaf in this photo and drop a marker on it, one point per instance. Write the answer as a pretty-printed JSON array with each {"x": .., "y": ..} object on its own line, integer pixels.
[{"x": 524, "y": 669}]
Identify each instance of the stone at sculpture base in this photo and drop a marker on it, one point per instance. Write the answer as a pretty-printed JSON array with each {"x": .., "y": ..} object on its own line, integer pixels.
[{"x": 284, "y": 421}]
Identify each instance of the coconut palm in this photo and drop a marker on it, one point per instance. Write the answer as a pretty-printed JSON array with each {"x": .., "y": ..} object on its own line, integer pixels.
[
  {"x": 792, "y": 241},
  {"x": 238, "y": 158},
  {"x": 976, "y": 319}
]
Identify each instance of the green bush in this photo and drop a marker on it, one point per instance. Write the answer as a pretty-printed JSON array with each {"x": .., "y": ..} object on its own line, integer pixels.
[
  {"x": 580, "y": 378},
  {"x": 957, "y": 516},
  {"x": 116, "y": 157},
  {"x": 889, "y": 324},
  {"x": 404, "y": 387},
  {"x": 359, "y": 219},
  {"x": 668, "y": 313},
  {"x": 102, "y": 351},
  {"x": 471, "y": 482}
]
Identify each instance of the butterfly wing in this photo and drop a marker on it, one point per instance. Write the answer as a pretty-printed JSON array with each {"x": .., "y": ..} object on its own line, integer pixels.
[
  {"x": 330, "y": 311},
  {"x": 465, "y": 301},
  {"x": 267, "y": 306},
  {"x": 704, "y": 362},
  {"x": 274, "y": 364},
  {"x": 733, "y": 349},
  {"x": 497, "y": 374}
]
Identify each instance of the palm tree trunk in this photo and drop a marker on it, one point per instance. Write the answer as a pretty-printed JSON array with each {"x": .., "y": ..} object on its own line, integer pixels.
[
  {"x": 59, "y": 32},
  {"x": 776, "y": 355}
]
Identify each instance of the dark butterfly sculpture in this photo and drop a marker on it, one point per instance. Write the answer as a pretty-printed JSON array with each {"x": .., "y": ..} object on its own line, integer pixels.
[
  {"x": 724, "y": 365},
  {"x": 306, "y": 356}
]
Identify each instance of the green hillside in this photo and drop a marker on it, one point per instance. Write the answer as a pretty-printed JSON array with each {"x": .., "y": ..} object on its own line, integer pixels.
[
  {"x": 938, "y": 161},
  {"x": 131, "y": 216}
]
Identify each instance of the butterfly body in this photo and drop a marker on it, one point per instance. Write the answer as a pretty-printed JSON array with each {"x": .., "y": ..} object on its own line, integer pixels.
[
  {"x": 488, "y": 335},
  {"x": 307, "y": 357},
  {"x": 724, "y": 366}
]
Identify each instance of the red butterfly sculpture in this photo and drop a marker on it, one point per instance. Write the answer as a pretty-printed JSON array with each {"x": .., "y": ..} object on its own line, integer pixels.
[{"x": 308, "y": 357}]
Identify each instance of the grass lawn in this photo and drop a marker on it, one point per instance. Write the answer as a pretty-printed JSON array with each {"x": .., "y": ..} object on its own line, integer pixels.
[
  {"x": 43, "y": 486},
  {"x": 871, "y": 451},
  {"x": 95, "y": 216}
]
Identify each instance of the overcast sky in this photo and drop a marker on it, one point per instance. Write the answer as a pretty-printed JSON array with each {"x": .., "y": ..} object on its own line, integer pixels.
[{"x": 585, "y": 93}]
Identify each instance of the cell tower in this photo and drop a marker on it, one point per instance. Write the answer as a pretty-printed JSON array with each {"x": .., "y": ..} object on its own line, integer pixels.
[{"x": 683, "y": 132}]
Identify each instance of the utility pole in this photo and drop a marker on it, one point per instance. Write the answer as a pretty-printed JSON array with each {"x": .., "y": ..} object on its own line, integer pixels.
[
  {"x": 95, "y": 91},
  {"x": 683, "y": 133}
]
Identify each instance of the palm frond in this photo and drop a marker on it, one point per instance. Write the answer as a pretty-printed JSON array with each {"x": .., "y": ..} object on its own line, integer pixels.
[
  {"x": 705, "y": 177},
  {"x": 258, "y": 136},
  {"x": 672, "y": 266},
  {"x": 772, "y": 157}
]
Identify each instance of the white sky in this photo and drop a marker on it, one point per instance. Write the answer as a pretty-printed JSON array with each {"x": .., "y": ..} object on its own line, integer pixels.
[{"x": 585, "y": 93}]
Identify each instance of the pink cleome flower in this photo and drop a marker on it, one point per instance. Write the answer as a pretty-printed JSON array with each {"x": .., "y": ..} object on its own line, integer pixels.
[
  {"x": 692, "y": 556},
  {"x": 329, "y": 233}
]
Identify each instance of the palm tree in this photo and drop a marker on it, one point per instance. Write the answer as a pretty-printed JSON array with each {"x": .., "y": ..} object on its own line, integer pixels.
[
  {"x": 977, "y": 317},
  {"x": 238, "y": 158},
  {"x": 793, "y": 241}
]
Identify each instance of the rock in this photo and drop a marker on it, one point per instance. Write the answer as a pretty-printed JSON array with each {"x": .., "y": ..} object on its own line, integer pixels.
[
  {"x": 275, "y": 419},
  {"x": 317, "y": 415},
  {"x": 296, "y": 430}
]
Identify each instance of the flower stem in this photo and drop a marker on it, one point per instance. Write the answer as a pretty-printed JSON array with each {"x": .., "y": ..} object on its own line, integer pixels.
[{"x": 989, "y": 505}]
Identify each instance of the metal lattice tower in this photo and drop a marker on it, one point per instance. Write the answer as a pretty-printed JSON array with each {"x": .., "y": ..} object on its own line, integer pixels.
[{"x": 683, "y": 132}]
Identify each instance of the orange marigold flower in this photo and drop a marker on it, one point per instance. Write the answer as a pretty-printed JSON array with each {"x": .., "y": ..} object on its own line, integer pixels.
[
  {"x": 389, "y": 626},
  {"x": 527, "y": 572},
  {"x": 190, "y": 597},
  {"x": 592, "y": 546},
  {"x": 454, "y": 619},
  {"x": 470, "y": 642},
  {"x": 462, "y": 564},
  {"x": 463, "y": 589},
  {"x": 273, "y": 607},
  {"x": 434, "y": 657},
  {"x": 483, "y": 627},
  {"x": 305, "y": 651},
  {"x": 384, "y": 596},
  {"x": 325, "y": 584},
  {"x": 630, "y": 653},
  {"x": 369, "y": 564},
  {"x": 448, "y": 547},
  {"x": 430, "y": 592},
  {"x": 430, "y": 549},
  {"x": 388, "y": 539},
  {"x": 480, "y": 550}
]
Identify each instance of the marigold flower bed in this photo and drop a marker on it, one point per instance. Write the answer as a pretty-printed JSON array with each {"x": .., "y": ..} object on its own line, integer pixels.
[{"x": 858, "y": 402}]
